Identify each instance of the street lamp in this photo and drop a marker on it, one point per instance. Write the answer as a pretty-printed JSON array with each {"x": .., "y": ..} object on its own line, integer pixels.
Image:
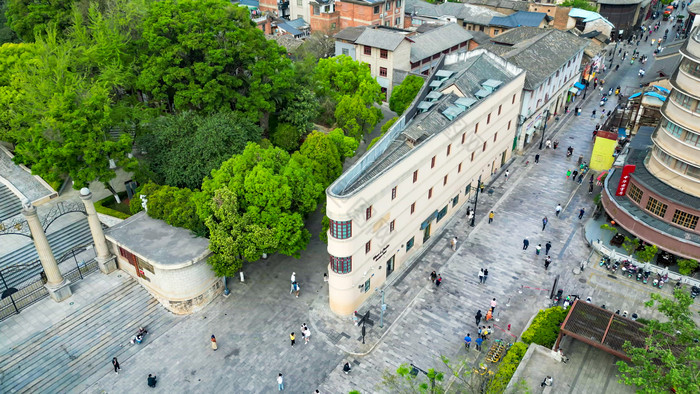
[
  {"x": 476, "y": 200},
  {"x": 544, "y": 127},
  {"x": 414, "y": 373},
  {"x": 383, "y": 308}
]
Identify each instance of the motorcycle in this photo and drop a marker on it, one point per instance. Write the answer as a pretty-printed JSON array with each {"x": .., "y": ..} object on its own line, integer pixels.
[
  {"x": 569, "y": 151},
  {"x": 646, "y": 276},
  {"x": 631, "y": 270},
  {"x": 614, "y": 267},
  {"x": 640, "y": 275},
  {"x": 694, "y": 291},
  {"x": 603, "y": 261},
  {"x": 557, "y": 297}
]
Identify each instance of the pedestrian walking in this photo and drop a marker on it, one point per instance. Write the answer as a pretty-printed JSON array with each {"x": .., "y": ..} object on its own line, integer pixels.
[
  {"x": 453, "y": 243},
  {"x": 115, "y": 363},
  {"x": 438, "y": 281},
  {"x": 280, "y": 382},
  {"x": 506, "y": 175},
  {"x": 307, "y": 335},
  {"x": 538, "y": 249},
  {"x": 544, "y": 222},
  {"x": 547, "y": 246},
  {"x": 478, "y": 342},
  {"x": 292, "y": 338},
  {"x": 491, "y": 216},
  {"x": 580, "y": 178},
  {"x": 558, "y": 209},
  {"x": 593, "y": 114},
  {"x": 467, "y": 341},
  {"x": 294, "y": 279},
  {"x": 526, "y": 243},
  {"x": 481, "y": 276},
  {"x": 486, "y": 274},
  {"x": 574, "y": 175},
  {"x": 433, "y": 276},
  {"x": 546, "y": 382},
  {"x": 568, "y": 174},
  {"x": 489, "y": 314},
  {"x": 214, "y": 346},
  {"x": 537, "y": 158},
  {"x": 493, "y": 304},
  {"x": 478, "y": 317},
  {"x": 481, "y": 187},
  {"x": 296, "y": 288},
  {"x": 151, "y": 380},
  {"x": 303, "y": 330},
  {"x": 590, "y": 188},
  {"x": 547, "y": 262},
  {"x": 581, "y": 213}
]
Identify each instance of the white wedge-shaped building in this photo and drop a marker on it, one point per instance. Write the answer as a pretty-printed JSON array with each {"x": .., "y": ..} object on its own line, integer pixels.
[{"x": 387, "y": 206}]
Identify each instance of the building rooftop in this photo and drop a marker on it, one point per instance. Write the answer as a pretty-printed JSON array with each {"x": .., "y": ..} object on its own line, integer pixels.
[
  {"x": 17, "y": 184},
  {"x": 541, "y": 52},
  {"x": 470, "y": 13},
  {"x": 418, "y": 126},
  {"x": 158, "y": 242},
  {"x": 515, "y": 5},
  {"x": 350, "y": 33},
  {"x": 437, "y": 40},
  {"x": 380, "y": 38},
  {"x": 588, "y": 16},
  {"x": 520, "y": 18},
  {"x": 619, "y": 2}
]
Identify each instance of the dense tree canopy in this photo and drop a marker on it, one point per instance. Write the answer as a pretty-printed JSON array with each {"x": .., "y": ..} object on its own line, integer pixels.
[
  {"x": 206, "y": 55},
  {"x": 403, "y": 95},
  {"x": 341, "y": 76},
  {"x": 582, "y": 4},
  {"x": 30, "y": 17},
  {"x": 671, "y": 356},
  {"x": 184, "y": 148},
  {"x": 175, "y": 206}
]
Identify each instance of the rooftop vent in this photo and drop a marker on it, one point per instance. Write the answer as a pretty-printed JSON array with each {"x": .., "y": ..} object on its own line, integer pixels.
[
  {"x": 482, "y": 93},
  {"x": 435, "y": 84},
  {"x": 491, "y": 84},
  {"x": 452, "y": 112},
  {"x": 442, "y": 75},
  {"x": 433, "y": 96},
  {"x": 465, "y": 102},
  {"x": 424, "y": 106}
]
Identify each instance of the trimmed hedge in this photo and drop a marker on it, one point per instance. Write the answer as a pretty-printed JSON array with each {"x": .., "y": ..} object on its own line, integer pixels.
[
  {"x": 507, "y": 368},
  {"x": 99, "y": 207},
  {"x": 545, "y": 327}
]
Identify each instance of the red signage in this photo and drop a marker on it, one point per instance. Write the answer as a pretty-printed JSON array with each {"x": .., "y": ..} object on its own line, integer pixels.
[{"x": 625, "y": 179}]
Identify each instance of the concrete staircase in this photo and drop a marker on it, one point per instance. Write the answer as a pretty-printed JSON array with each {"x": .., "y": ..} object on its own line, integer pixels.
[
  {"x": 75, "y": 353},
  {"x": 10, "y": 205}
]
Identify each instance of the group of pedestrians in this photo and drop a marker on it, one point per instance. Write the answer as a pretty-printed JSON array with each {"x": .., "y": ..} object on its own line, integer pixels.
[
  {"x": 151, "y": 379},
  {"x": 483, "y": 275},
  {"x": 305, "y": 334}
]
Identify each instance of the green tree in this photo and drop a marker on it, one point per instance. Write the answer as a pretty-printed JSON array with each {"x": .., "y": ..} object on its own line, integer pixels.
[
  {"x": 347, "y": 146},
  {"x": 175, "y": 206},
  {"x": 582, "y": 4},
  {"x": 341, "y": 76},
  {"x": 403, "y": 95},
  {"x": 410, "y": 380},
  {"x": 355, "y": 118},
  {"x": 317, "y": 46},
  {"x": 300, "y": 111},
  {"x": 669, "y": 357},
  {"x": 384, "y": 129},
  {"x": 207, "y": 55},
  {"x": 647, "y": 253},
  {"x": 687, "y": 266},
  {"x": 287, "y": 136},
  {"x": 6, "y": 33},
  {"x": 183, "y": 149},
  {"x": 326, "y": 161},
  {"x": 545, "y": 327},
  {"x": 28, "y": 18},
  {"x": 630, "y": 245},
  {"x": 62, "y": 121}
]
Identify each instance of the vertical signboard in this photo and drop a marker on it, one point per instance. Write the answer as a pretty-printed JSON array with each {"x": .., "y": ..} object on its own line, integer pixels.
[{"x": 625, "y": 179}]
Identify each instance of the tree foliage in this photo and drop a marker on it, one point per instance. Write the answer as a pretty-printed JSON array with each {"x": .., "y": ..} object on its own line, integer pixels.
[
  {"x": 403, "y": 95},
  {"x": 545, "y": 327},
  {"x": 385, "y": 127},
  {"x": 28, "y": 18},
  {"x": 669, "y": 358},
  {"x": 175, "y": 206},
  {"x": 687, "y": 266},
  {"x": 207, "y": 55},
  {"x": 507, "y": 368},
  {"x": 341, "y": 76},
  {"x": 647, "y": 253},
  {"x": 355, "y": 118},
  {"x": 582, "y": 4},
  {"x": 630, "y": 245},
  {"x": 183, "y": 149},
  {"x": 287, "y": 136},
  {"x": 66, "y": 103},
  {"x": 6, "y": 33}
]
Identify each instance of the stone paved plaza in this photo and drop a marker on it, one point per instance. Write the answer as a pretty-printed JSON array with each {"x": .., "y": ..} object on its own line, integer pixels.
[{"x": 253, "y": 324}]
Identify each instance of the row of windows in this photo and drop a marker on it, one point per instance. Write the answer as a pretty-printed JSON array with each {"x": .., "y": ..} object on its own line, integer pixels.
[
  {"x": 387, "y": 6},
  {"x": 677, "y": 165},
  {"x": 691, "y": 67},
  {"x": 436, "y": 56},
  {"x": 658, "y": 208},
  {"x": 685, "y": 101},
  {"x": 681, "y": 133}
]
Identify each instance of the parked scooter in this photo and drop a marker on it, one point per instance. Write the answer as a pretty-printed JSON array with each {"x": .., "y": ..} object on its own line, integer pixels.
[
  {"x": 646, "y": 276},
  {"x": 640, "y": 275},
  {"x": 557, "y": 297},
  {"x": 694, "y": 291}
]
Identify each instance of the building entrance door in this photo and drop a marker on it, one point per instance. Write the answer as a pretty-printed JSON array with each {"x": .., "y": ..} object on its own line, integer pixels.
[
  {"x": 426, "y": 233},
  {"x": 390, "y": 265}
]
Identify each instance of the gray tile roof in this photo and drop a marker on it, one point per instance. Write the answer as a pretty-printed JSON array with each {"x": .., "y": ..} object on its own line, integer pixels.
[
  {"x": 437, "y": 40},
  {"x": 505, "y": 4},
  {"x": 468, "y": 77},
  {"x": 350, "y": 33},
  {"x": 520, "y": 18},
  {"x": 662, "y": 68},
  {"x": 541, "y": 52},
  {"x": 468, "y": 12},
  {"x": 380, "y": 38},
  {"x": 618, "y": 2}
]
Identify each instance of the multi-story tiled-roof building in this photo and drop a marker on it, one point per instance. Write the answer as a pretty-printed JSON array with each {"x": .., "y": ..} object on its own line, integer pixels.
[{"x": 387, "y": 206}]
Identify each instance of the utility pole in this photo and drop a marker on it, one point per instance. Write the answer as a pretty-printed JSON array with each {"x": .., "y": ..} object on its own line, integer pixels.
[
  {"x": 383, "y": 308},
  {"x": 544, "y": 127},
  {"x": 476, "y": 200},
  {"x": 414, "y": 373}
]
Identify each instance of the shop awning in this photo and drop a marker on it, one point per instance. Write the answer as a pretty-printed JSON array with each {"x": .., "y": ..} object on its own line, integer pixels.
[
  {"x": 579, "y": 85},
  {"x": 573, "y": 90}
]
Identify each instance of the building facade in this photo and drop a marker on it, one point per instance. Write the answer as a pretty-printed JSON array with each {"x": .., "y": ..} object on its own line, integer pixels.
[
  {"x": 388, "y": 205},
  {"x": 661, "y": 203},
  {"x": 552, "y": 59},
  {"x": 330, "y": 16}
]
